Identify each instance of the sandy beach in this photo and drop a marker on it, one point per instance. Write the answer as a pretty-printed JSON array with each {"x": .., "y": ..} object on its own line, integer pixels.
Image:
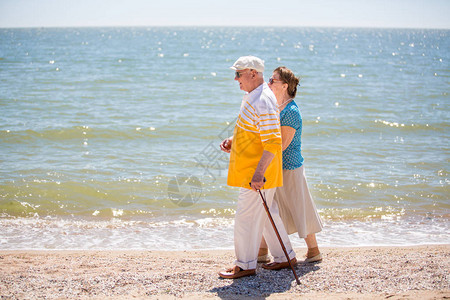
[{"x": 345, "y": 273}]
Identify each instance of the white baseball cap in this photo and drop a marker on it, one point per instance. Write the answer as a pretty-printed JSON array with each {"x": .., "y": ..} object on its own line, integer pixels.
[{"x": 249, "y": 62}]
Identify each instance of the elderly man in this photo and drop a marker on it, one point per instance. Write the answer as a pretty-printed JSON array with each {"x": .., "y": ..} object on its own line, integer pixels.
[{"x": 255, "y": 162}]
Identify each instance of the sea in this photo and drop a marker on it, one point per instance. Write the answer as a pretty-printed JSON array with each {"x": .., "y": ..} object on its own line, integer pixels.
[{"x": 109, "y": 137}]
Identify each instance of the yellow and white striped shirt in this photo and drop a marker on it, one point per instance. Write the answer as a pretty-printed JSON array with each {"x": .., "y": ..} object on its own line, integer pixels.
[{"x": 257, "y": 129}]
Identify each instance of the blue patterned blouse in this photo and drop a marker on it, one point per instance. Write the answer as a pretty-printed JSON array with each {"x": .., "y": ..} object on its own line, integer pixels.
[{"x": 292, "y": 155}]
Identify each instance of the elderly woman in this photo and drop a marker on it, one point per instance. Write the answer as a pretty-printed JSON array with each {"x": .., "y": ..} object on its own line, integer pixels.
[{"x": 295, "y": 203}]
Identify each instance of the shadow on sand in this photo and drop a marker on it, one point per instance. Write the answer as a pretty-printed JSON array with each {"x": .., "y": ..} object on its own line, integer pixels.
[{"x": 264, "y": 284}]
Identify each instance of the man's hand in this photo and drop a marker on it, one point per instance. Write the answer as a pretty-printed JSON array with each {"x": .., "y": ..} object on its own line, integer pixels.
[
  {"x": 225, "y": 146},
  {"x": 257, "y": 182}
]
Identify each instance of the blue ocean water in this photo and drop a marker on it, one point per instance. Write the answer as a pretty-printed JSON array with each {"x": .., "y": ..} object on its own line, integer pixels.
[{"x": 109, "y": 136}]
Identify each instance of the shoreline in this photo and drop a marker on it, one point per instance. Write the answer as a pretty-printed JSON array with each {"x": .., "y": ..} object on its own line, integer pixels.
[
  {"x": 162, "y": 233},
  {"x": 224, "y": 249},
  {"x": 394, "y": 272}
]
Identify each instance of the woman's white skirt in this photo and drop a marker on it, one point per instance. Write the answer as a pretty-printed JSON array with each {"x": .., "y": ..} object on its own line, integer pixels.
[{"x": 296, "y": 206}]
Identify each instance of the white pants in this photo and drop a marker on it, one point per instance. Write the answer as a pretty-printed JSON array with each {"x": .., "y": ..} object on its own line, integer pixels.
[{"x": 251, "y": 221}]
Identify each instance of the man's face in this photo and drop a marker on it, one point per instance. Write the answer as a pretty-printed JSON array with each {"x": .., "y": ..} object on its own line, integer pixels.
[{"x": 244, "y": 77}]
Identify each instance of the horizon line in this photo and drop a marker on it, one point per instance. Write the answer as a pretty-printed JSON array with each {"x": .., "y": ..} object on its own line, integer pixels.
[{"x": 223, "y": 26}]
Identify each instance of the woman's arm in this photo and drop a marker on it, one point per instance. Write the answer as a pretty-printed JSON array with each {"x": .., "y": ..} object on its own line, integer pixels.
[{"x": 287, "y": 134}]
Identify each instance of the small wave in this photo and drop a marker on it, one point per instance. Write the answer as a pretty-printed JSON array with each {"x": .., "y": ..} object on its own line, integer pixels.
[
  {"x": 54, "y": 194},
  {"x": 321, "y": 126},
  {"x": 79, "y": 132},
  {"x": 73, "y": 233},
  {"x": 439, "y": 127},
  {"x": 184, "y": 233},
  {"x": 360, "y": 214}
]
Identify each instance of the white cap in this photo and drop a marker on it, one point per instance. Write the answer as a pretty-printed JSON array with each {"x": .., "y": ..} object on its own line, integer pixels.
[{"x": 249, "y": 62}]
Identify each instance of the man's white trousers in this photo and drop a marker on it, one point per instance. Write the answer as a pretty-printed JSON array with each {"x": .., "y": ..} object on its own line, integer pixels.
[{"x": 251, "y": 223}]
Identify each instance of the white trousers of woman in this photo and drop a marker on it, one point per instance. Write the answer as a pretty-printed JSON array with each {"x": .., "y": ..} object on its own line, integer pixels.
[{"x": 296, "y": 205}]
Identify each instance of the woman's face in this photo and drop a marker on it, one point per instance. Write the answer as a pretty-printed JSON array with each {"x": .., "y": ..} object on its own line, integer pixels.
[{"x": 277, "y": 86}]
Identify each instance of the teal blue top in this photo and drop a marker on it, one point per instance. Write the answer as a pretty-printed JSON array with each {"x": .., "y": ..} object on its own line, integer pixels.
[{"x": 292, "y": 155}]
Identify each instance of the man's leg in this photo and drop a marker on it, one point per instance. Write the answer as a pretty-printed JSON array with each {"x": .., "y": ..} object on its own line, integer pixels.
[{"x": 248, "y": 227}]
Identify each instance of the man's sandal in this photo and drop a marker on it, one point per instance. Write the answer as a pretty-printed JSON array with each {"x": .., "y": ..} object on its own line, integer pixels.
[
  {"x": 236, "y": 272},
  {"x": 279, "y": 266}
]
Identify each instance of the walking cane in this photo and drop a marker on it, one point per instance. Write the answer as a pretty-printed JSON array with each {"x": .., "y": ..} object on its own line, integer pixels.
[{"x": 278, "y": 235}]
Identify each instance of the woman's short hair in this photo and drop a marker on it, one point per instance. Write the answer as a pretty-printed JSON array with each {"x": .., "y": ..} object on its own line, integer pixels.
[{"x": 287, "y": 76}]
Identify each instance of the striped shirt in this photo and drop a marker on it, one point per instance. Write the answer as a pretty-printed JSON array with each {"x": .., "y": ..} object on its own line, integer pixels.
[{"x": 257, "y": 129}]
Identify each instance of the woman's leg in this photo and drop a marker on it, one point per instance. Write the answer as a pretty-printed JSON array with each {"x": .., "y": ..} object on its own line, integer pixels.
[
  {"x": 311, "y": 241},
  {"x": 263, "y": 248},
  {"x": 313, "y": 248}
]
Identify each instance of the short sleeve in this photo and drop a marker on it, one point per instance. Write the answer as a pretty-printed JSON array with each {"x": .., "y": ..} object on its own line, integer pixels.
[
  {"x": 291, "y": 117},
  {"x": 269, "y": 124}
]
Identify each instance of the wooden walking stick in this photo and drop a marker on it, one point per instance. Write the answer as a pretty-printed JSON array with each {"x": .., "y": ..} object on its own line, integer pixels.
[{"x": 278, "y": 235}]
